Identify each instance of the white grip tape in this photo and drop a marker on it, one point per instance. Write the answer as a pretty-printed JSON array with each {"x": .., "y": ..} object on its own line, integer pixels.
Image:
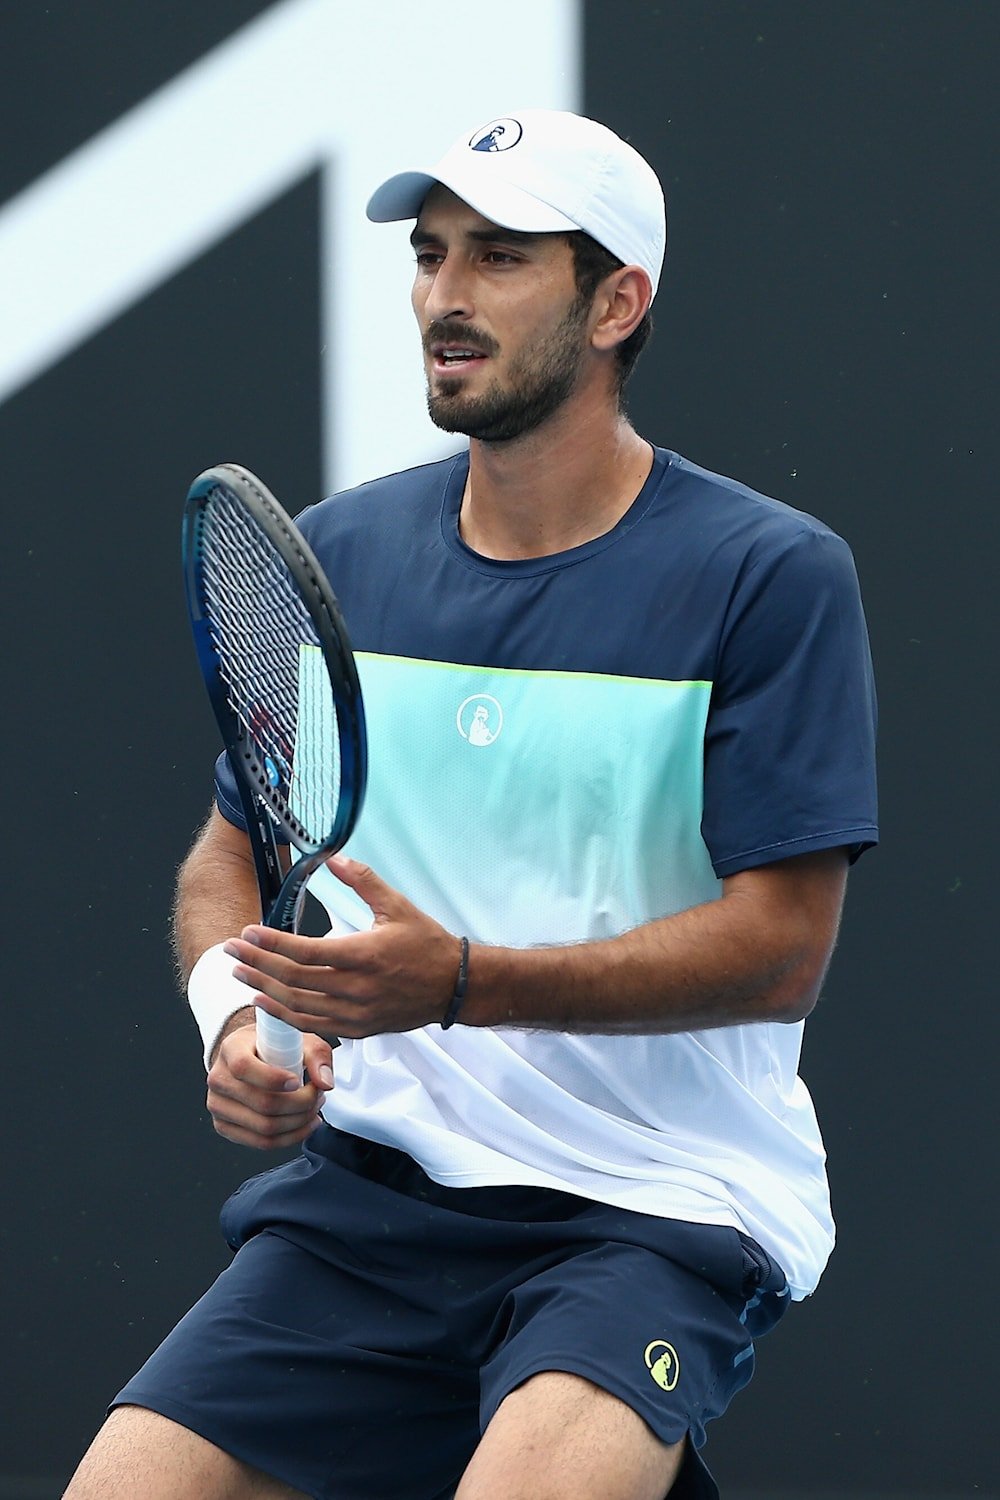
[
  {"x": 214, "y": 995},
  {"x": 278, "y": 1043}
]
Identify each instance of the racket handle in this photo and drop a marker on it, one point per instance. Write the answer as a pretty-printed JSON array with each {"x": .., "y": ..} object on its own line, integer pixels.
[{"x": 278, "y": 1043}]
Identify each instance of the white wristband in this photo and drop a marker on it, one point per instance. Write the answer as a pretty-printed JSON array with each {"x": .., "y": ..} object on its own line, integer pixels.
[{"x": 214, "y": 995}]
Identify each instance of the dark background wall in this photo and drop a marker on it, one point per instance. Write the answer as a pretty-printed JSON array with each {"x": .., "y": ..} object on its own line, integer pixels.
[{"x": 825, "y": 332}]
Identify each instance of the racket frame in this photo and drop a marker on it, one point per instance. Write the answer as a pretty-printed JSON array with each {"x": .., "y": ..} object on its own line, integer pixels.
[{"x": 267, "y": 813}]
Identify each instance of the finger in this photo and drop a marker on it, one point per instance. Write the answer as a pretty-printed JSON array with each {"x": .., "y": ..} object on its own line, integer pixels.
[
  {"x": 264, "y": 1135},
  {"x": 294, "y": 999},
  {"x": 238, "y": 1073},
  {"x": 260, "y": 1112},
  {"x": 384, "y": 901},
  {"x": 317, "y": 1058},
  {"x": 282, "y": 953},
  {"x": 265, "y": 1120},
  {"x": 225, "y": 1092},
  {"x": 250, "y": 1072},
  {"x": 304, "y": 992},
  {"x": 247, "y": 1070}
]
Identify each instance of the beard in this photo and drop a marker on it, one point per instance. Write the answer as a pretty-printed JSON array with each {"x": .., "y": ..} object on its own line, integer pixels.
[{"x": 540, "y": 380}]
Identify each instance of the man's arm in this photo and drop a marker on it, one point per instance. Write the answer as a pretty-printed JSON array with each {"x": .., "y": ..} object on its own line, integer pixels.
[
  {"x": 216, "y": 892},
  {"x": 758, "y": 953},
  {"x": 249, "y": 1101}
]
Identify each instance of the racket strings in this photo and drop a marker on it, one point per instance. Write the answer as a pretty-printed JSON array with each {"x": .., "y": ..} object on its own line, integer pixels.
[{"x": 272, "y": 665}]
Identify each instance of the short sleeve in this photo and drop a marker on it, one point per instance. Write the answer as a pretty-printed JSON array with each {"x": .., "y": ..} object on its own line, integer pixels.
[
  {"x": 227, "y": 797},
  {"x": 790, "y": 737}
]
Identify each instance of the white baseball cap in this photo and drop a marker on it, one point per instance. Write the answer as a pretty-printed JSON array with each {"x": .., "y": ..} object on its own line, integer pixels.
[{"x": 541, "y": 171}]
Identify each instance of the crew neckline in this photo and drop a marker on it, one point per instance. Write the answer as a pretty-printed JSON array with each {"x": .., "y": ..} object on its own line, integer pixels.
[{"x": 523, "y": 567}]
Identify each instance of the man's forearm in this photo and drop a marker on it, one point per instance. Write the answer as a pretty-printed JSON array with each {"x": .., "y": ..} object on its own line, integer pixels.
[
  {"x": 753, "y": 955},
  {"x": 758, "y": 953},
  {"x": 216, "y": 894}
]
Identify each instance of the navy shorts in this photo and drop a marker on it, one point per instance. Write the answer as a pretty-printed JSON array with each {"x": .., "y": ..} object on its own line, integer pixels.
[{"x": 372, "y": 1321}]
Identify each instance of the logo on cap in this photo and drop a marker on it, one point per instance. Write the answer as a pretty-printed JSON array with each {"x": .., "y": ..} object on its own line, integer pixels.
[{"x": 498, "y": 135}]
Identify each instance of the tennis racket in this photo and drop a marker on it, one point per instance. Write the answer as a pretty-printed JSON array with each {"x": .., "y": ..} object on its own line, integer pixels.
[{"x": 280, "y": 674}]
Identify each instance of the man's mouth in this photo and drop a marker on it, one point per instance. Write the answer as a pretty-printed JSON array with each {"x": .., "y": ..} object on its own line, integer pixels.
[
  {"x": 450, "y": 356},
  {"x": 454, "y": 349}
]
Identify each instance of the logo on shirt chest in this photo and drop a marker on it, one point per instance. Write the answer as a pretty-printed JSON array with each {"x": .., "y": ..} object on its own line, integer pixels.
[{"x": 479, "y": 720}]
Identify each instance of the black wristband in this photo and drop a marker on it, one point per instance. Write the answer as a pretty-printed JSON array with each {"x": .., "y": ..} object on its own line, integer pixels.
[{"x": 461, "y": 985}]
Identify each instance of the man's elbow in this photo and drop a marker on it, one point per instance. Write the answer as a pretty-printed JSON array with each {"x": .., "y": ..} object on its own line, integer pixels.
[{"x": 795, "y": 990}]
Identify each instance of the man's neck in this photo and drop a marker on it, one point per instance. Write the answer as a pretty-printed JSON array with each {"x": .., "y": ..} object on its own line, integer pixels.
[{"x": 563, "y": 485}]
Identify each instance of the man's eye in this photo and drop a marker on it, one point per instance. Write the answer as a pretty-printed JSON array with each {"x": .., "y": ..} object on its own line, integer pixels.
[{"x": 428, "y": 258}]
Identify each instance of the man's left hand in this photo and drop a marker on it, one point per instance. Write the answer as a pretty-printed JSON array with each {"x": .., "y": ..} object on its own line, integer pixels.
[{"x": 395, "y": 977}]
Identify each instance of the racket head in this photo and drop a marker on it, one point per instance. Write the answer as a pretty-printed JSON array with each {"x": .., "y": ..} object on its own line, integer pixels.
[{"x": 276, "y": 659}]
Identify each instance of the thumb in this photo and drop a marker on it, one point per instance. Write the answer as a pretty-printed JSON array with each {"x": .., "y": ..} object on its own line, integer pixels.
[
  {"x": 373, "y": 890},
  {"x": 317, "y": 1062}
]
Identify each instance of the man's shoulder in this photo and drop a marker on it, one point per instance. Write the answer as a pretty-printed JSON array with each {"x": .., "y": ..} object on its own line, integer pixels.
[
  {"x": 730, "y": 503},
  {"x": 382, "y": 500}
]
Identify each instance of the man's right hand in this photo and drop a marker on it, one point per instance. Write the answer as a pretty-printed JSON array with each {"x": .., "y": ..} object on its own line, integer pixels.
[{"x": 254, "y": 1104}]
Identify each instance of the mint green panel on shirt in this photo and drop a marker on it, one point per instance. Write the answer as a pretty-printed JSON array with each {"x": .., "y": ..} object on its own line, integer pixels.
[{"x": 526, "y": 807}]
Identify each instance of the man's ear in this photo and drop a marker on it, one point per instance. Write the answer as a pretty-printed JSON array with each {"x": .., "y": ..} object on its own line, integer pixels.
[{"x": 621, "y": 302}]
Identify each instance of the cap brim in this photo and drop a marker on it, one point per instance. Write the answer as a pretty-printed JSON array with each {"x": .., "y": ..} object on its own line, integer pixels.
[
  {"x": 399, "y": 198},
  {"x": 402, "y": 196}
]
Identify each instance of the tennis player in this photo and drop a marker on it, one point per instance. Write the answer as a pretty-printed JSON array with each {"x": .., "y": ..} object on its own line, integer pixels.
[{"x": 621, "y": 731}]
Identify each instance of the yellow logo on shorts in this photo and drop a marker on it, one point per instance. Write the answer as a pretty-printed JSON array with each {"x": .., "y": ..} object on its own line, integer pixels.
[{"x": 663, "y": 1364}]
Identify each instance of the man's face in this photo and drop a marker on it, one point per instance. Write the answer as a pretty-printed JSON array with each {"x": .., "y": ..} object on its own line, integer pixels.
[{"x": 504, "y": 333}]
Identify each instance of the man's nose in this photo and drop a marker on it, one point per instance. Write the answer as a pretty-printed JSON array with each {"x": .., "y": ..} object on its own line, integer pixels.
[{"x": 450, "y": 295}]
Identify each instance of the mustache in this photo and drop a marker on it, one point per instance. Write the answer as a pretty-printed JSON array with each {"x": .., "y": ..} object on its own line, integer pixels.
[{"x": 459, "y": 333}]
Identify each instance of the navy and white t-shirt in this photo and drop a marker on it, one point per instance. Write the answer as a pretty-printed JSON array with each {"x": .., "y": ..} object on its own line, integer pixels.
[{"x": 563, "y": 748}]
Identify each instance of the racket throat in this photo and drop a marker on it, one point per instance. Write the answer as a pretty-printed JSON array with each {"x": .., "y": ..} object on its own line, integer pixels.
[{"x": 285, "y": 911}]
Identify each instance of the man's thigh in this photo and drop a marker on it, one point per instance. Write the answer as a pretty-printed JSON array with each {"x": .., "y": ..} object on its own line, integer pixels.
[
  {"x": 559, "y": 1437},
  {"x": 656, "y": 1349},
  {"x": 138, "y": 1452}
]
